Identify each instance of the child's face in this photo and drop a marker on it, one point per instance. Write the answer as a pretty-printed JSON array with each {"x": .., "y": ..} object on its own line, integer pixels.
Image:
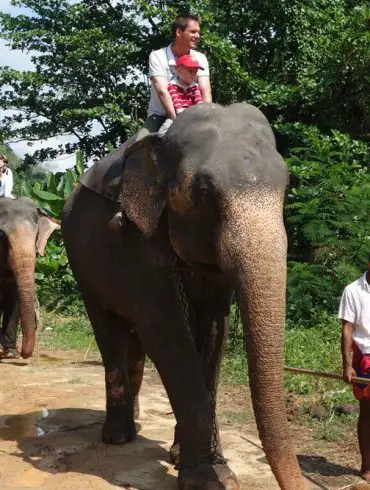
[{"x": 187, "y": 75}]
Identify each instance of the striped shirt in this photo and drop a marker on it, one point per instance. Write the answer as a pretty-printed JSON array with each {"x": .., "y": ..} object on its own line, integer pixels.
[{"x": 183, "y": 98}]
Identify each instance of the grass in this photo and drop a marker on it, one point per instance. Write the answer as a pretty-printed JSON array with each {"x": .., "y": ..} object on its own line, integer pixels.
[{"x": 66, "y": 333}]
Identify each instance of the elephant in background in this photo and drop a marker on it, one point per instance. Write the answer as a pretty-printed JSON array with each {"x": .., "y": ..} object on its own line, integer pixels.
[
  {"x": 204, "y": 218},
  {"x": 23, "y": 232}
]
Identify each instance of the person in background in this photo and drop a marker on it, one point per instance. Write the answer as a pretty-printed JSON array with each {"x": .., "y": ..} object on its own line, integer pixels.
[
  {"x": 6, "y": 178},
  {"x": 354, "y": 312}
]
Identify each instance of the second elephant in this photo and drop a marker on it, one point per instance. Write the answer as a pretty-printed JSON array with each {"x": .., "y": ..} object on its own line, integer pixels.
[{"x": 23, "y": 233}]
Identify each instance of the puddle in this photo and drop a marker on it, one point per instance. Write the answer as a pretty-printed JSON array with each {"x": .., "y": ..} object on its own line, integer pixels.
[{"x": 24, "y": 426}]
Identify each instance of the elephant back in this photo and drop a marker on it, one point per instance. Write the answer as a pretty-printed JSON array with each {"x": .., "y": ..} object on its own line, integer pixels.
[{"x": 104, "y": 176}]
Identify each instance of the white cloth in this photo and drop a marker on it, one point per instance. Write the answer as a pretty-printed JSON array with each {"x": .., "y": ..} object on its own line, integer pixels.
[
  {"x": 6, "y": 183},
  {"x": 162, "y": 63},
  {"x": 355, "y": 308}
]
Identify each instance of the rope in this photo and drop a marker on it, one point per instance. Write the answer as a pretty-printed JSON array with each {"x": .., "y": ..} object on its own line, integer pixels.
[{"x": 324, "y": 374}]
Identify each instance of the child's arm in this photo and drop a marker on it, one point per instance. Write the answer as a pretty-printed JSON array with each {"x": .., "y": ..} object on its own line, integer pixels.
[
  {"x": 174, "y": 92},
  {"x": 196, "y": 95}
]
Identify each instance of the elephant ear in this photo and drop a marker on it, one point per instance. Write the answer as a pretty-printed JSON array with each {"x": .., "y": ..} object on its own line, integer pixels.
[
  {"x": 46, "y": 226},
  {"x": 143, "y": 189}
]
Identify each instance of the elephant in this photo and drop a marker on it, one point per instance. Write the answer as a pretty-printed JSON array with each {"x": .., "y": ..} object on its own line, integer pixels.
[
  {"x": 24, "y": 231},
  {"x": 203, "y": 210}
]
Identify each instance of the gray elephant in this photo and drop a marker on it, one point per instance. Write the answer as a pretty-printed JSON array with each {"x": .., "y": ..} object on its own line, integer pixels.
[
  {"x": 23, "y": 232},
  {"x": 204, "y": 217}
]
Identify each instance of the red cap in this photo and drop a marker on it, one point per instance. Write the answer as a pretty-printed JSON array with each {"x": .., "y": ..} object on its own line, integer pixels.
[{"x": 188, "y": 61}]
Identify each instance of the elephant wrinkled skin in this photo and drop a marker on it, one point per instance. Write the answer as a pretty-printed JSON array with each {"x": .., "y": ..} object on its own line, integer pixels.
[{"x": 203, "y": 209}]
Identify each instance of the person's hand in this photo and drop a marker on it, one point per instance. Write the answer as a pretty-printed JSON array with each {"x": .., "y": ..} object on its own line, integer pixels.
[{"x": 348, "y": 373}]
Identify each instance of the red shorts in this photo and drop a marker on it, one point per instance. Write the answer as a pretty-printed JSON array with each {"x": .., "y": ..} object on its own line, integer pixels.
[{"x": 361, "y": 364}]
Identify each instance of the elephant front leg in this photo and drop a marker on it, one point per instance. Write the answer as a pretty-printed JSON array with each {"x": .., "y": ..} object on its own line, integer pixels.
[
  {"x": 179, "y": 365},
  {"x": 10, "y": 323},
  {"x": 210, "y": 333}
]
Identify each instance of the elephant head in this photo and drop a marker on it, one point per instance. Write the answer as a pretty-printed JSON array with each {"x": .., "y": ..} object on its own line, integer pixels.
[
  {"x": 219, "y": 182},
  {"x": 24, "y": 232}
]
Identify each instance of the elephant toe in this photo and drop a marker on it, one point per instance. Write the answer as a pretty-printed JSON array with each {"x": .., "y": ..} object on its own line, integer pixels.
[{"x": 208, "y": 477}]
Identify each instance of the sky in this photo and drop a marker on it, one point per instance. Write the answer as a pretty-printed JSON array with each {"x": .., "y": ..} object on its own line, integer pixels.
[{"x": 22, "y": 61}]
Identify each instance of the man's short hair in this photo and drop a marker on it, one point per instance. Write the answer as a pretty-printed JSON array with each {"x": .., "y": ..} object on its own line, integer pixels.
[{"x": 182, "y": 21}]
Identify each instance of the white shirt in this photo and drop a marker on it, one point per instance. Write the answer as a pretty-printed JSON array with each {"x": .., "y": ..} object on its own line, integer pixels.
[
  {"x": 6, "y": 183},
  {"x": 162, "y": 63},
  {"x": 355, "y": 308}
]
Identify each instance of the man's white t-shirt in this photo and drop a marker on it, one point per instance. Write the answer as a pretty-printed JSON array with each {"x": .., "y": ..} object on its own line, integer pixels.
[
  {"x": 6, "y": 183},
  {"x": 355, "y": 308},
  {"x": 162, "y": 63}
]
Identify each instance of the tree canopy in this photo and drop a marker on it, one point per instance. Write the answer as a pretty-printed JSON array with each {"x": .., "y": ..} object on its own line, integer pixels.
[{"x": 305, "y": 61}]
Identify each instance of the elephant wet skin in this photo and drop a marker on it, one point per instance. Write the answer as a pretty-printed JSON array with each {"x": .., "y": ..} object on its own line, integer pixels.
[
  {"x": 203, "y": 217},
  {"x": 23, "y": 232}
]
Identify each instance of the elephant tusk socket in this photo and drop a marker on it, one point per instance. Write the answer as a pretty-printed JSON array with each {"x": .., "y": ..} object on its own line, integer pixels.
[{"x": 324, "y": 374}]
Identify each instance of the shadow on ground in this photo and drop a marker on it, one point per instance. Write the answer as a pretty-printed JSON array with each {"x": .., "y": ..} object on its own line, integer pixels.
[
  {"x": 68, "y": 440},
  {"x": 321, "y": 466}
]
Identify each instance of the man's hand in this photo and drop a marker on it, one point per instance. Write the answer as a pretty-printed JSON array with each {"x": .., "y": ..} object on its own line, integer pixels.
[{"x": 348, "y": 373}]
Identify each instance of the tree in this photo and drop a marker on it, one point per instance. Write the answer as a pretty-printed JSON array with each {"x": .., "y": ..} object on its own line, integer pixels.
[{"x": 297, "y": 60}]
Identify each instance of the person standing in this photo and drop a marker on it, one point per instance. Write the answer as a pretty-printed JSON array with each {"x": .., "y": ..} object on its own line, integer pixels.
[
  {"x": 354, "y": 312},
  {"x": 6, "y": 178},
  {"x": 162, "y": 72}
]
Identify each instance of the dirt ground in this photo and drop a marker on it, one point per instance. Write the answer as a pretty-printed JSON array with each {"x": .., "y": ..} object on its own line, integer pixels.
[{"x": 52, "y": 409}]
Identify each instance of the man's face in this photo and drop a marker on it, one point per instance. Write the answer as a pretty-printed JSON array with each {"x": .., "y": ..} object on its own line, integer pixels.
[
  {"x": 190, "y": 36},
  {"x": 187, "y": 75}
]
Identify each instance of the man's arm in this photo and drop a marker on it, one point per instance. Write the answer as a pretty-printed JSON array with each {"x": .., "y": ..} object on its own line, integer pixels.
[
  {"x": 205, "y": 88},
  {"x": 347, "y": 332},
  {"x": 160, "y": 84}
]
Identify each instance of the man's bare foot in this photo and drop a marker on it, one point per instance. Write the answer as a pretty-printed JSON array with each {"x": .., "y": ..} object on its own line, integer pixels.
[{"x": 365, "y": 475}]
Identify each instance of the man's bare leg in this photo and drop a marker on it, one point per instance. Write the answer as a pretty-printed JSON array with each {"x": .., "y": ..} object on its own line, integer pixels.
[{"x": 363, "y": 431}]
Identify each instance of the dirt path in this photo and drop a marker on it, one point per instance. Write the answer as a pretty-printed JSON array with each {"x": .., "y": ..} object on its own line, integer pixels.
[{"x": 52, "y": 410}]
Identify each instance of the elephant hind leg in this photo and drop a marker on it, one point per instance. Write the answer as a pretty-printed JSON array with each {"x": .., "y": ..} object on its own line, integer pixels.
[{"x": 113, "y": 337}]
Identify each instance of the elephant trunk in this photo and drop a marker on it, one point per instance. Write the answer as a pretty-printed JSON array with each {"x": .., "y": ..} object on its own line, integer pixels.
[
  {"x": 253, "y": 251},
  {"x": 22, "y": 259}
]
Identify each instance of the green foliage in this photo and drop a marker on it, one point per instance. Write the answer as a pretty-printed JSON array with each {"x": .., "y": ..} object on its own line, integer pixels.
[
  {"x": 297, "y": 60},
  {"x": 55, "y": 282},
  {"x": 14, "y": 161},
  {"x": 327, "y": 217}
]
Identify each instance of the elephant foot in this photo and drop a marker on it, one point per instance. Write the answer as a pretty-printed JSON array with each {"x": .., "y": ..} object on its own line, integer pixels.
[
  {"x": 208, "y": 477},
  {"x": 175, "y": 454},
  {"x": 114, "y": 432}
]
